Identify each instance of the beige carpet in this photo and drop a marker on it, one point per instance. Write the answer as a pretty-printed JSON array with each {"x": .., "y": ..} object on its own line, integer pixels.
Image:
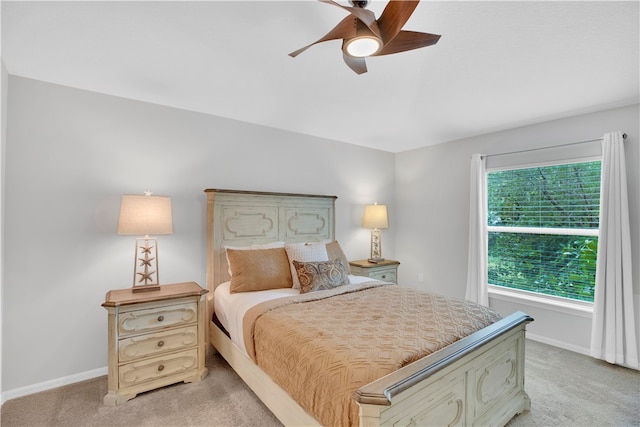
[
  {"x": 569, "y": 389},
  {"x": 566, "y": 389}
]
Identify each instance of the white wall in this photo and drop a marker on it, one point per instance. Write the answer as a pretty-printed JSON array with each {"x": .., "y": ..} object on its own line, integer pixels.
[
  {"x": 3, "y": 140},
  {"x": 72, "y": 153},
  {"x": 432, "y": 200}
]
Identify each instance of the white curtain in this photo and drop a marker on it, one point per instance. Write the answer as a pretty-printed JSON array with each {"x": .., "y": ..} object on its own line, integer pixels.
[
  {"x": 613, "y": 334},
  {"x": 477, "y": 289}
]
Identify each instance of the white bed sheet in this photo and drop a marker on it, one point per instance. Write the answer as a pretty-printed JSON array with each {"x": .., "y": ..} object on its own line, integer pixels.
[{"x": 231, "y": 308}]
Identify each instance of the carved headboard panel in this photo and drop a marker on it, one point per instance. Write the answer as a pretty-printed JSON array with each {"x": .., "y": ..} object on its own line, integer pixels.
[{"x": 243, "y": 218}]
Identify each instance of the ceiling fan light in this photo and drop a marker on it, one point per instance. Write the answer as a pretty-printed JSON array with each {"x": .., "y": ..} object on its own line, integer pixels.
[{"x": 360, "y": 47}]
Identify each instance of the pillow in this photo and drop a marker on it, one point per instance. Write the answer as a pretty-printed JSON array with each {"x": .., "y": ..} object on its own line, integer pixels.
[
  {"x": 334, "y": 251},
  {"x": 259, "y": 269},
  {"x": 304, "y": 252},
  {"x": 317, "y": 276},
  {"x": 248, "y": 248}
]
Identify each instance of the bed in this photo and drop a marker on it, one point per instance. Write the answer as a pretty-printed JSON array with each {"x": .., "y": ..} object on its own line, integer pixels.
[{"x": 476, "y": 379}]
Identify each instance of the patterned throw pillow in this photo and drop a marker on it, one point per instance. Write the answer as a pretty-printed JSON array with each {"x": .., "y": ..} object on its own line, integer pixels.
[{"x": 320, "y": 275}]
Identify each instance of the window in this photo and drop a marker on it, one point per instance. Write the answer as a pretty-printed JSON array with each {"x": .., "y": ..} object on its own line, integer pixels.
[{"x": 543, "y": 228}]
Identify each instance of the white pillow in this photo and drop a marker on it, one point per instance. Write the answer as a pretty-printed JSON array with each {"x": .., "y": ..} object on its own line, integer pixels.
[
  {"x": 304, "y": 252},
  {"x": 269, "y": 245}
]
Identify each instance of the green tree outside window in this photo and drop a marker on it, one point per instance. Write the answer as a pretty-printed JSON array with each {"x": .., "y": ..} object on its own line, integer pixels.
[{"x": 543, "y": 226}]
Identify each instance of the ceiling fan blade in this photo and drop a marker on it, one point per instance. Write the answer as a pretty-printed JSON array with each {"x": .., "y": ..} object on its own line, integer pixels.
[
  {"x": 356, "y": 64},
  {"x": 345, "y": 29},
  {"x": 393, "y": 18},
  {"x": 365, "y": 15},
  {"x": 408, "y": 40}
]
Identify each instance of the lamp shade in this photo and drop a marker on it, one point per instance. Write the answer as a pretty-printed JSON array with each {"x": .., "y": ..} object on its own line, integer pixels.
[
  {"x": 143, "y": 215},
  {"x": 375, "y": 216}
]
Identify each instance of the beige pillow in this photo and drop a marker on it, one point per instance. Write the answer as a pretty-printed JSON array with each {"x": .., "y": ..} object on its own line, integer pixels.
[
  {"x": 334, "y": 251},
  {"x": 317, "y": 276},
  {"x": 259, "y": 269},
  {"x": 252, "y": 247}
]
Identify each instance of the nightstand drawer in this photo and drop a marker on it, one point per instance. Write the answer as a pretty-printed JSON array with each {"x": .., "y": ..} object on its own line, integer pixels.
[
  {"x": 160, "y": 342},
  {"x": 157, "y": 318},
  {"x": 384, "y": 275},
  {"x": 147, "y": 370}
]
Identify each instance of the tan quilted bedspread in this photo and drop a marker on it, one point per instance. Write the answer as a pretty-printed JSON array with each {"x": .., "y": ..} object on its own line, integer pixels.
[{"x": 322, "y": 346}]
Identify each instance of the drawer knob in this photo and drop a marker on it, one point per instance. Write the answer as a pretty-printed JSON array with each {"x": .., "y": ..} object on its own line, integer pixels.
[
  {"x": 160, "y": 368},
  {"x": 160, "y": 343},
  {"x": 160, "y": 318},
  {"x": 384, "y": 276}
]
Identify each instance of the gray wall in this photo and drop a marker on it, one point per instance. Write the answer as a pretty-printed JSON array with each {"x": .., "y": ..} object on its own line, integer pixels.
[
  {"x": 432, "y": 200},
  {"x": 3, "y": 140},
  {"x": 72, "y": 154}
]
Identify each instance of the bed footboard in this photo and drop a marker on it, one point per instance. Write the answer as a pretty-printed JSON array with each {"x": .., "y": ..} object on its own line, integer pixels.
[{"x": 479, "y": 380}]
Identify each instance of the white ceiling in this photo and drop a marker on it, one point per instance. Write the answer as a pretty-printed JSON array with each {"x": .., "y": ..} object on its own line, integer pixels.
[{"x": 498, "y": 65}]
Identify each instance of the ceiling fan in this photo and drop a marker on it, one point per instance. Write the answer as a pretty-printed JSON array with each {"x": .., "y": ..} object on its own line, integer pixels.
[{"x": 362, "y": 35}]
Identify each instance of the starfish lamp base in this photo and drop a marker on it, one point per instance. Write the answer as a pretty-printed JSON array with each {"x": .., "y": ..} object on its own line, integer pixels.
[{"x": 145, "y": 271}]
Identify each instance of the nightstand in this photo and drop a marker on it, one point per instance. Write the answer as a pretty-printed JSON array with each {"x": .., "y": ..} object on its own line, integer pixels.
[
  {"x": 156, "y": 338},
  {"x": 386, "y": 270}
]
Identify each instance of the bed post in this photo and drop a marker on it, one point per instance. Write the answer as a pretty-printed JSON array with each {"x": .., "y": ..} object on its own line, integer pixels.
[{"x": 210, "y": 268}]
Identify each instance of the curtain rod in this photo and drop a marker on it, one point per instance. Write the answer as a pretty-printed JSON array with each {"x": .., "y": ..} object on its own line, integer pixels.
[{"x": 624, "y": 136}]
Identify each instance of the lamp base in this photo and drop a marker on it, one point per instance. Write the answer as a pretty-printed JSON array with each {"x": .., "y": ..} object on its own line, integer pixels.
[
  {"x": 145, "y": 288},
  {"x": 145, "y": 267},
  {"x": 376, "y": 247}
]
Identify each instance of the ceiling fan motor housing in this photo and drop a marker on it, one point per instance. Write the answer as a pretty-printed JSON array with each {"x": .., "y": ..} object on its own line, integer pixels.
[{"x": 361, "y": 3}]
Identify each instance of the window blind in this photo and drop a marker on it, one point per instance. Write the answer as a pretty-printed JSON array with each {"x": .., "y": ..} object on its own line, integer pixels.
[{"x": 543, "y": 228}]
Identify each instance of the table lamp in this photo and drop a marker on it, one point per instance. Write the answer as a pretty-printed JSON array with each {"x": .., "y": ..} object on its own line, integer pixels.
[
  {"x": 375, "y": 217},
  {"x": 145, "y": 215}
]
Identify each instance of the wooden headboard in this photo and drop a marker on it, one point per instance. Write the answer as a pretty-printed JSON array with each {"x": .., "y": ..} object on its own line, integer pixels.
[{"x": 243, "y": 218}]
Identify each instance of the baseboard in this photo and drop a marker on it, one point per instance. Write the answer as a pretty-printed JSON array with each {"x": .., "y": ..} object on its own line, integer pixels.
[
  {"x": 561, "y": 344},
  {"x": 48, "y": 385}
]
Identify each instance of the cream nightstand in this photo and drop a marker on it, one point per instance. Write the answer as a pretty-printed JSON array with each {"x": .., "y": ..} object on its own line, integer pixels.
[
  {"x": 156, "y": 338},
  {"x": 386, "y": 270}
]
